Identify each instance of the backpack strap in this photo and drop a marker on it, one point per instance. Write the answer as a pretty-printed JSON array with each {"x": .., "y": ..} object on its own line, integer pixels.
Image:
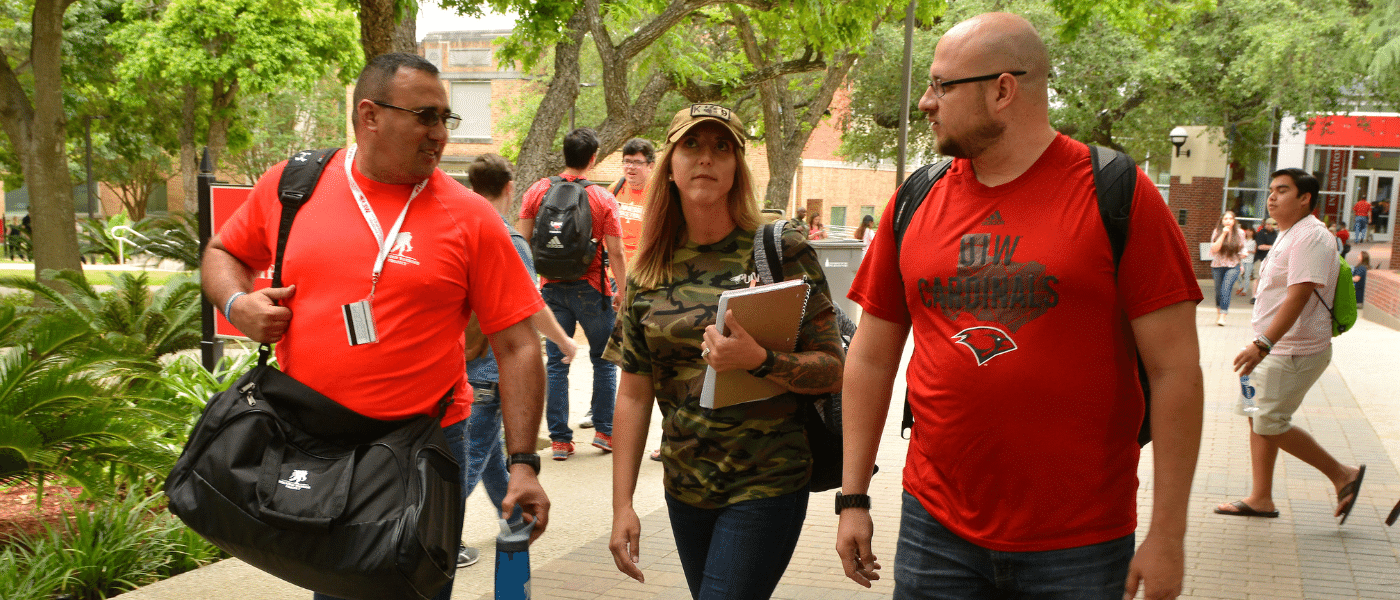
[
  {"x": 617, "y": 187},
  {"x": 294, "y": 188},
  {"x": 768, "y": 252},
  {"x": 907, "y": 200},
  {"x": 1115, "y": 179}
]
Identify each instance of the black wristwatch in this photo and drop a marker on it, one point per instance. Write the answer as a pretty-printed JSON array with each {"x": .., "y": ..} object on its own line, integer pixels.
[
  {"x": 844, "y": 501},
  {"x": 764, "y": 369},
  {"x": 526, "y": 459}
]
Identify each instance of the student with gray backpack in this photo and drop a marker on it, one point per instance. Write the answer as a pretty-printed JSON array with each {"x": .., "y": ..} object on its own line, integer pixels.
[
  {"x": 1021, "y": 474},
  {"x": 575, "y": 235}
]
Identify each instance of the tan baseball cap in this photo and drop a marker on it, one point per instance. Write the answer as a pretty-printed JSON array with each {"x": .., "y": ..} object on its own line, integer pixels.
[{"x": 699, "y": 113}]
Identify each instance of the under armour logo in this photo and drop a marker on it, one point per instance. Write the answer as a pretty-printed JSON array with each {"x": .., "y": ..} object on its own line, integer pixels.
[{"x": 302, "y": 156}]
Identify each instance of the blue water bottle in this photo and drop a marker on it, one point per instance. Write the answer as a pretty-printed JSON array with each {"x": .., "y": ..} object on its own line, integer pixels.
[
  {"x": 513, "y": 561},
  {"x": 1247, "y": 392}
]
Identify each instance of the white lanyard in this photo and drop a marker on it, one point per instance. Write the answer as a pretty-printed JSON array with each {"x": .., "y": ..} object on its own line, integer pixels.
[{"x": 385, "y": 242}]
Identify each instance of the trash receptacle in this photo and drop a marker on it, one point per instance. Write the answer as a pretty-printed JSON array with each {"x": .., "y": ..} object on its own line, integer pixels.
[{"x": 840, "y": 259}]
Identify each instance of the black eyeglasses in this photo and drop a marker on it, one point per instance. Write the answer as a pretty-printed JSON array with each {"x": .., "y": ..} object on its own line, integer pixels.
[
  {"x": 428, "y": 117},
  {"x": 940, "y": 87}
]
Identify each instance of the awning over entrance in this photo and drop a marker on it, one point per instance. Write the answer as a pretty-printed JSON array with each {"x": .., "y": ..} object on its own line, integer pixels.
[{"x": 1336, "y": 130}]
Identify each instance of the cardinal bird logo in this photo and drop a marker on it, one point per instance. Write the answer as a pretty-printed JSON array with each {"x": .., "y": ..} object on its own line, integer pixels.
[{"x": 985, "y": 342}]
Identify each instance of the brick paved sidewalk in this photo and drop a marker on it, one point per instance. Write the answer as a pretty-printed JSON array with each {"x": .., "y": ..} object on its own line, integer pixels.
[{"x": 1302, "y": 554}]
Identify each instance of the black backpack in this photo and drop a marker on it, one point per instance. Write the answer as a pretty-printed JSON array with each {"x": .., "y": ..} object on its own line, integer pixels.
[
  {"x": 563, "y": 242},
  {"x": 1115, "y": 177},
  {"x": 822, "y": 415}
]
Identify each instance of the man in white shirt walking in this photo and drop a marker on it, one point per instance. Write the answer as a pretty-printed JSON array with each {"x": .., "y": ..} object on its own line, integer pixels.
[{"x": 1292, "y": 347}]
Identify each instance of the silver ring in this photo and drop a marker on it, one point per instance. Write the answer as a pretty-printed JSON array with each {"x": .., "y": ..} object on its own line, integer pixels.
[{"x": 704, "y": 352}]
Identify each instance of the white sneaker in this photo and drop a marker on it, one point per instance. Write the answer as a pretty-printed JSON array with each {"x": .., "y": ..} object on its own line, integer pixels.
[
  {"x": 467, "y": 556},
  {"x": 587, "y": 422},
  {"x": 1220, "y": 320}
]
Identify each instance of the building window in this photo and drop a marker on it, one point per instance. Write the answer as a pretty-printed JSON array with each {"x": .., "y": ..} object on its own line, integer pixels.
[
  {"x": 470, "y": 57},
  {"x": 867, "y": 210},
  {"x": 838, "y": 216},
  {"x": 472, "y": 100},
  {"x": 1181, "y": 217},
  {"x": 434, "y": 55}
]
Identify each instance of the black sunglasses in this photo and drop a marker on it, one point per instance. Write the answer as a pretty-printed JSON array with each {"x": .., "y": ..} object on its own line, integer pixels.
[
  {"x": 940, "y": 87},
  {"x": 428, "y": 117}
]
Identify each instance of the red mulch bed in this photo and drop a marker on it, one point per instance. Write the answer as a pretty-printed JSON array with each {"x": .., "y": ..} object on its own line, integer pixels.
[{"x": 18, "y": 513}]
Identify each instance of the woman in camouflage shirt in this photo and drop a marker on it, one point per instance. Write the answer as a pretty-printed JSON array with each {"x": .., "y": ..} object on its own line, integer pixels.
[{"x": 736, "y": 478}]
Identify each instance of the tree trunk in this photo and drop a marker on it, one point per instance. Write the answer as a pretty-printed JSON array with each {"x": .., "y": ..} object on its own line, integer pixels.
[
  {"x": 222, "y": 106},
  {"x": 189, "y": 162},
  {"x": 381, "y": 32},
  {"x": 538, "y": 157},
  {"x": 37, "y": 131},
  {"x": 786, "y": 155}
]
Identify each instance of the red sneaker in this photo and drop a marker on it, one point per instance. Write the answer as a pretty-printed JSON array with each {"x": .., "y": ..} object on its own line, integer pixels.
[
  {"x": 602, "y": 441},
  {"x": 563, "y": 450}
]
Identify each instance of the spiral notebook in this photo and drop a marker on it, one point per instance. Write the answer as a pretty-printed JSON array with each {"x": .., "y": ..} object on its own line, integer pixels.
[{"x": 772, "y": 314}]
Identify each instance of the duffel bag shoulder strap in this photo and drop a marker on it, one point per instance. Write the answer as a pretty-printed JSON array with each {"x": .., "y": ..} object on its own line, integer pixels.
[{"x": 294, "y": 188}]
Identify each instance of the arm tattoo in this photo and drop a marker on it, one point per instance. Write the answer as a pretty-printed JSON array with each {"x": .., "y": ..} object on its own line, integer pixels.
[{"x": 817, "y": 364}]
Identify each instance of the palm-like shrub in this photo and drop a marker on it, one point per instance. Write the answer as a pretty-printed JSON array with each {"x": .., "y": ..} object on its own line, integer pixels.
[
  {"x": 129, "y": 319},
  {"x": 174, "y": 237},
  {"x": 59, "y": 415},
  {"x": 75, "y": 388}
]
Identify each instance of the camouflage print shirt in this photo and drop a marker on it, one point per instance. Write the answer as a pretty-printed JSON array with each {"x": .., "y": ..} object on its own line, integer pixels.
[{"x": 715, "y": 458}]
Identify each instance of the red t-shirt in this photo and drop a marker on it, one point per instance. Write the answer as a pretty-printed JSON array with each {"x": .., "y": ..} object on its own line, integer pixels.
[
  {"x": 452, "y": 256},
  {"x": 605, "y": 223},
  {"x": 629, "y": 208},
  {"x": 1362, "y": 208},
  {"x": 1024, "y": 380}
]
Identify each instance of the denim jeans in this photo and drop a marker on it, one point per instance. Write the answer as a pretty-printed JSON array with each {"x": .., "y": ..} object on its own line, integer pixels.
[
  {"x": 456, "y": 435},
  {"x": 1224, "y": 285},
  {"x": 1358, "y": 228},
  {"x": 486, "y": 461},
  {"x": 578, "y": 303},
  {"x": 738, "y": 552},
  {"x": 932, "y": 562}
]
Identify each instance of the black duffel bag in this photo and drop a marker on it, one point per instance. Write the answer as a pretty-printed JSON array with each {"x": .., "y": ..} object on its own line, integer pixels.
[{"x": 318, "y": 495}]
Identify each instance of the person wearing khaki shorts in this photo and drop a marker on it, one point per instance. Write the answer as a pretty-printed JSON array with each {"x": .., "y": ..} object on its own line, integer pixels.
[{"x": 1301, "y": 268}]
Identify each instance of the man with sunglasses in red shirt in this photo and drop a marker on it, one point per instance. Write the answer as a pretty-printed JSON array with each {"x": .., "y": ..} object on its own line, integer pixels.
[{"x": 445, "y": 256}]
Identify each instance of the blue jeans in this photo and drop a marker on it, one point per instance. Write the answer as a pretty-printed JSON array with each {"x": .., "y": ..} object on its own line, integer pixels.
[
  {"x": 456, "y": 435},
  {"x": 738, "y": 552},
  {"x": 578, "y": 303},
  {"x": 486, "y": 461},
  {"x": 1358, "y": 228},
  {"x": 1224, "y": 285},
  {"x": 932, "y": 562}
]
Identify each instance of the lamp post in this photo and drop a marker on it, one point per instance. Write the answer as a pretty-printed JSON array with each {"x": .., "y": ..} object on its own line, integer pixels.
[{"x": 1178, "y": 138}]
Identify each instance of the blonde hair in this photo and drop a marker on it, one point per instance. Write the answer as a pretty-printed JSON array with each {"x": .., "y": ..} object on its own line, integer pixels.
[{"x": 663, "y": 222}]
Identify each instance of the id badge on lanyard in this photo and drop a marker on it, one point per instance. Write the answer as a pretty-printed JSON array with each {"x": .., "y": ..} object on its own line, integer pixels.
[{"x": 360, "y": 327}]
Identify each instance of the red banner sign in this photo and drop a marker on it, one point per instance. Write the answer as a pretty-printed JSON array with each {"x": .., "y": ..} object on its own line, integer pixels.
[{"x": 225, "y": 200}]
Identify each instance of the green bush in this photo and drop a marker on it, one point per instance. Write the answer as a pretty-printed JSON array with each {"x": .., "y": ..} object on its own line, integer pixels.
[
  {"x": 103, "y": 552},
  {"x": 32, "y": 572}
]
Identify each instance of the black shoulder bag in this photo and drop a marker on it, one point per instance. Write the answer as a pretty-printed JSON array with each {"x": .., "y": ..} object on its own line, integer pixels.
[{"x": 299, "y": 486}]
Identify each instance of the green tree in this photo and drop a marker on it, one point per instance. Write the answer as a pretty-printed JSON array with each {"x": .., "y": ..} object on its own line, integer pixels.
[
  {"x": 33, "y": 118},
  {"x": 217, "y": 53},
  {"x": 282, "y": 122},
  {"x": 1237, "y": 66}
]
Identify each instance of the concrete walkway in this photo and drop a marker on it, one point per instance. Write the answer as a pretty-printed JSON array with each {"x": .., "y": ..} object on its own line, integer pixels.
[{"x": 1303, "y": 554}]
